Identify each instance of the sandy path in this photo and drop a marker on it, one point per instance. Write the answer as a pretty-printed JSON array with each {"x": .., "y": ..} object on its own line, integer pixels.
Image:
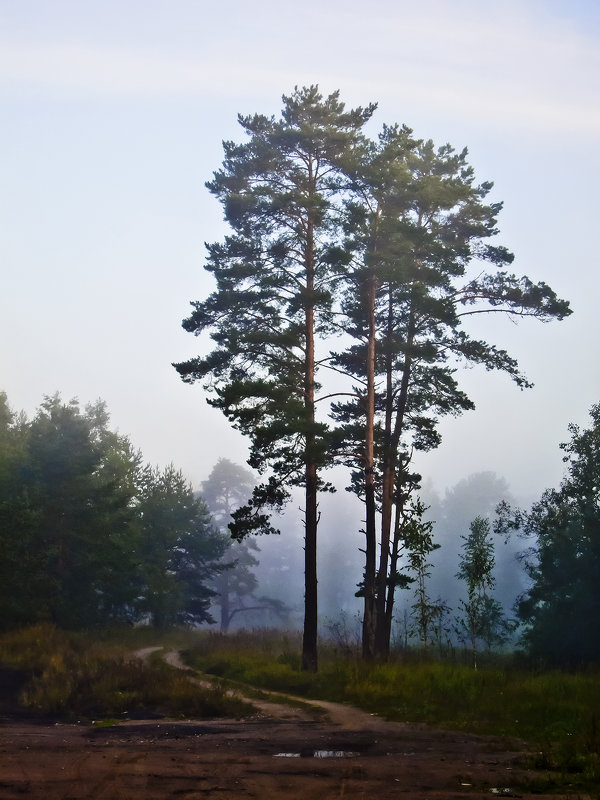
[
  {"x": 267, "y": 708},
  {"x": 343, "y": 716}
]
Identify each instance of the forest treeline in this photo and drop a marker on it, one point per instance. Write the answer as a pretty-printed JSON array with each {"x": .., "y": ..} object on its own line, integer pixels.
[{"x": 89, "y": 534}]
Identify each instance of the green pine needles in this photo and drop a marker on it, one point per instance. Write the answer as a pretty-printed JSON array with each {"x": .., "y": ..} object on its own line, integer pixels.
[{"x": 339, "y": 318}]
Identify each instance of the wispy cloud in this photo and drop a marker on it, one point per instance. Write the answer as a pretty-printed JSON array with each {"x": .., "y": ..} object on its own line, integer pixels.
[{"x": 503, "y": 69}]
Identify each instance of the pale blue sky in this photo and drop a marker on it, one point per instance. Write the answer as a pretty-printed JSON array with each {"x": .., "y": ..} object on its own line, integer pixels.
[{"x": 112, "y": 116}]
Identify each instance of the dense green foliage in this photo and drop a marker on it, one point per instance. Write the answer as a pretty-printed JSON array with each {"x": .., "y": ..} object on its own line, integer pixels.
[
  {"x": 561, "y": 610},
  {"x": 90, "y": 535}
]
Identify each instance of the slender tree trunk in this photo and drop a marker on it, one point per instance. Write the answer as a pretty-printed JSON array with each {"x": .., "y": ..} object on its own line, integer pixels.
[
  {"x": 223, "y": 581},
  {"x": 389, "y": 484},
  {"x": 391, "y": 587},
  {"x": 387, "y": 502},
  {"x": 369, "y": 583},
  {"x": 310, "y": 633}
]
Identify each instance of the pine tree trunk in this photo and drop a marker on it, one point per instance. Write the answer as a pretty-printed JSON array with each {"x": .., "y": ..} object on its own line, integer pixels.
[
  {"x": 310, "y": 633},
  {"x": 309, "y": 639},
  {"x": 382, "y": 636},
  {"x": 391, "y": 587},
  {"x": 369, "y": 582},
  {"x": 387, "y": 501}
]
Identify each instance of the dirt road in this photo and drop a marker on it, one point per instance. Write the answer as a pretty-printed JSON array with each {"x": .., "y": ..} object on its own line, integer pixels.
[{"x": 281, "y": 752}]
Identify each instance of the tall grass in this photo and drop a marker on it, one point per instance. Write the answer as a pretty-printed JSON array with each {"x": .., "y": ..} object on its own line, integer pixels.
[
  {"x": 74, "y": 676},
  {"x": 557, "y": 712}
]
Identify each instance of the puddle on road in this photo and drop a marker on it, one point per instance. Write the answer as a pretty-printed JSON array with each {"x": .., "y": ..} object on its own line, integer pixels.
[{"x": 319, "y": 754}]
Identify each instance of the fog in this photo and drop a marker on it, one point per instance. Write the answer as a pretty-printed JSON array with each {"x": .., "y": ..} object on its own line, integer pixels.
[
  {"x": 112, "y": 120},
  {"x": 280, "y": 571}
]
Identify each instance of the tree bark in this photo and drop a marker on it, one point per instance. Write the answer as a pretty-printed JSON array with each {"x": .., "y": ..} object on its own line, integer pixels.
[
  {"x": 391, "y": 586},
  {"x": 310, "y": 632},
  {"x": 369, "y": 583},
  {"x": 389, "y": 486}
]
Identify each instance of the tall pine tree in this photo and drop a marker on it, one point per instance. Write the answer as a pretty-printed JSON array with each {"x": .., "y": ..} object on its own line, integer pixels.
[
  {"x": 401, "y": 229},
  {"x": 280, "y": 191},
  {"x": 419, "y": 225}
]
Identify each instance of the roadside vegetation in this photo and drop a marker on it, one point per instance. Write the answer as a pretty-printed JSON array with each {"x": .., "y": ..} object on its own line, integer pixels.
[
  {"x": 79, "y": 676},
  {"x": 96, "y": 677},
  {"x": 557, "y": 712}
]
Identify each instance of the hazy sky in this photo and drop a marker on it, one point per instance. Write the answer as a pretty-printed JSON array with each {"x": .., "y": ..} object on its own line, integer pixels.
[{"x": 112, "y": 116}]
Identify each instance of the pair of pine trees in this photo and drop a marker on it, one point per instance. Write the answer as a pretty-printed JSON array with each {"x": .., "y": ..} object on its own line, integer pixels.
[{"x": 354, "y": 262}]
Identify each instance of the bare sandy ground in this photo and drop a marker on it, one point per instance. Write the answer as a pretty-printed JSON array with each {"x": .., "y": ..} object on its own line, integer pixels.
[{"x": 281, "y": 752}]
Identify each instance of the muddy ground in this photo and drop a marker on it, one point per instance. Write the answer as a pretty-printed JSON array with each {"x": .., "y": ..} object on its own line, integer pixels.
[{"x": 281, "y": 752}]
